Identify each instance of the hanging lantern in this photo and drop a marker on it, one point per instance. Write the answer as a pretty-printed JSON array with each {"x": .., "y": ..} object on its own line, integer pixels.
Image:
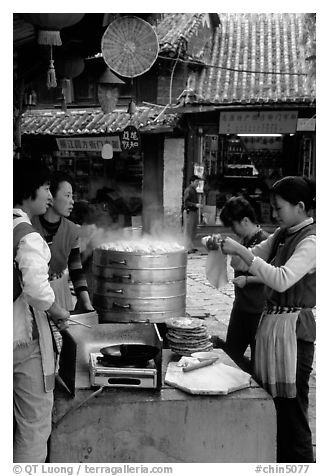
[
  {"x": 49, "y": 26},
  {"x": 69, "y": 67},
  {"x": 108, "y": 90}
]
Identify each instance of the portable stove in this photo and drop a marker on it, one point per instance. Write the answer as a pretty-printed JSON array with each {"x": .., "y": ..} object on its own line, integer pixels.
[{"x": 107, "y": 373}]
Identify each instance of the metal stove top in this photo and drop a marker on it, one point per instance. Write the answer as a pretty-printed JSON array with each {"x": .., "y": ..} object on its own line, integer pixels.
[{"x": 130, "y": 375}]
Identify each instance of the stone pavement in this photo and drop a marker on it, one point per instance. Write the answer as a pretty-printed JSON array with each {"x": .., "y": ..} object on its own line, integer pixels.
[{"x": 214, "y": 306}]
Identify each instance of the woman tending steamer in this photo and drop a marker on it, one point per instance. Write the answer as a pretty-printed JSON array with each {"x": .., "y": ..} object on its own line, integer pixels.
[{"x": 286, "y": 263}]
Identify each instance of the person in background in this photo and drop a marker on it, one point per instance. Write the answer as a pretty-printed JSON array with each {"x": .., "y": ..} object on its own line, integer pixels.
[
  {"x": 33, "y": 359},
  {"x": 286, "y": 263},
  {"x": 190, "y": 213},
  {"x": 62, "y": 236},
  {"x": 249, "y": 299}
]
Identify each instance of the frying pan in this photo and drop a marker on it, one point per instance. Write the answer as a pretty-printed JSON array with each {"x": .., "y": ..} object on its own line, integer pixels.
[{"x": 129, "y": 354}]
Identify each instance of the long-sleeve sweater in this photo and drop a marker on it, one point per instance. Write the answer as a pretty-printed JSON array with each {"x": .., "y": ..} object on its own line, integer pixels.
[
  {"x": 32, "y": 258},
  {"x": 302, "y": 261},
  {"x": 290, "y": 277}
]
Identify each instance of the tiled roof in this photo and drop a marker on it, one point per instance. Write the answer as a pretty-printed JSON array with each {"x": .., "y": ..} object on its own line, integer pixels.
[
  {"x": 176, "y": 28},
  {"x": 264, "y": 42},
  {"x": 93, "y": 121}
]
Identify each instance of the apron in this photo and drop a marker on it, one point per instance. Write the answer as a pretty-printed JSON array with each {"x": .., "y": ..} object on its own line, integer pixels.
[{"x": 276, "y": 352}]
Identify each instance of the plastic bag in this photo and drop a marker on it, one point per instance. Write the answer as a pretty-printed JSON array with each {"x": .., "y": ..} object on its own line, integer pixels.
[{"x": 216, "y": 269}]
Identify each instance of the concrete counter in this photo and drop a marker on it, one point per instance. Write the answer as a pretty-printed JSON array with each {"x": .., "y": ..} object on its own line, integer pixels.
[{"x": 166, "y": 426}]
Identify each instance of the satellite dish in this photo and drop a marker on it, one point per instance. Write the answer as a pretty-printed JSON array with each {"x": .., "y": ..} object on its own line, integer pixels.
[{"x": 129, "y": 46}]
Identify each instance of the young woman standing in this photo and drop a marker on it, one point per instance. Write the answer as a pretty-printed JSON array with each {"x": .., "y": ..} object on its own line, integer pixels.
[
  {"x": 249, "y": 300},
  {"x": 62, "y": 236},
  {"x": 286, "y": 263},
  {"x": 33, "y": 359}
]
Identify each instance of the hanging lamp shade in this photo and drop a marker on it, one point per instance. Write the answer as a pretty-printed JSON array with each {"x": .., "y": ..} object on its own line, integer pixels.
[
  {"x": 69, "y": 66},
  {"x": 50, "y": 24},
  {"x": 108, "y": 90},
  {"x": 109, "y": 78},
  {"x": 129, "y": 46},
  {"x": 107, "y": 97}
]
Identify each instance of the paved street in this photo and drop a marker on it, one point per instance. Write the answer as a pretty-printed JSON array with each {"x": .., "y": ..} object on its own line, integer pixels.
[{"x": 204, "y": 301}]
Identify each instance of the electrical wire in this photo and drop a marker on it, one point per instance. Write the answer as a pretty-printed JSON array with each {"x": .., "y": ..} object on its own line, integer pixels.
[
  {"x": 229, "y": 69},
  {"x": 172, "y": 73}
]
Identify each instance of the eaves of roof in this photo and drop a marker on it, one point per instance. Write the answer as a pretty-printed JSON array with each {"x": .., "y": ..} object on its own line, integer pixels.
[
  {"x": 177, "y": 28},
  {"x": 93, "y": 121}
]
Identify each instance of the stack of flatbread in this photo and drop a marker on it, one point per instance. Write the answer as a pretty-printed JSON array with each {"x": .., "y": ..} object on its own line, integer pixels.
[{"x": 187, "y": 335}]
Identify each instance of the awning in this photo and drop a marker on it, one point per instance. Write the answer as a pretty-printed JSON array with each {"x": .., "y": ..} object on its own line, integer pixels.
[{"x": 74, "y": 122}]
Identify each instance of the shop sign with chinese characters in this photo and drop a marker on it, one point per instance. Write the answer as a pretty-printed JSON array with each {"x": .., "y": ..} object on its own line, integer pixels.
[
  {"x": 88, "y": 144},
  {"x": 306, "y": 124},
  {"x": 258, "y": 122},
  {"x": 130, "y": 139}
]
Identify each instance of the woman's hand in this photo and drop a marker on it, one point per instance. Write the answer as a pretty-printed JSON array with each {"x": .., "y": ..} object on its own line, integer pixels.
[
  {"x": 240, "y": 281},
  {"x": 59, "y": 316},
  {"x": 230, "y": 246}
]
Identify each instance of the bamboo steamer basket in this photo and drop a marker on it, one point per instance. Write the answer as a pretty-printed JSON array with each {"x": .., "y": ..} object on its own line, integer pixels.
[{"x": 139, "y": 287}]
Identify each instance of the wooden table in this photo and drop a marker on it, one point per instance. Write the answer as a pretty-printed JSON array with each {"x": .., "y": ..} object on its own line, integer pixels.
[{"x": 166, "y": 426}]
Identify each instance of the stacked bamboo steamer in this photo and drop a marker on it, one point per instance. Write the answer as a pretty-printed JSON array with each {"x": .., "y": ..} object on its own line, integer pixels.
[{"x": 187, "y": 335}]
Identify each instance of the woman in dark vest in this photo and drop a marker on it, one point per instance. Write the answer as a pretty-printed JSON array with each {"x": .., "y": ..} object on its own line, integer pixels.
[
  {"x": 285, "y": 337},
  {"x": 62, "y": 236}
]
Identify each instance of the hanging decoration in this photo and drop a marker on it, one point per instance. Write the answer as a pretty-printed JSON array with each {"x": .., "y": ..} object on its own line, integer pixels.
[
  {"x": 108, "y": 90},
  {"x": 51, "y": 73},
  {"x": 69, "y": 66},
  {"x": 49, "y": 26}
]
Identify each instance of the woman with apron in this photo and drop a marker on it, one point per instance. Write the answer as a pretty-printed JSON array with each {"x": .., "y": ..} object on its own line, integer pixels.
[
  {"x": 286, "y": 263},
  {"x": 62, "y": 236}
]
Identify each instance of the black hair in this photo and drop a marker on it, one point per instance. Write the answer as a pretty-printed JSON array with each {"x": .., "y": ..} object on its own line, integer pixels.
[
  {"x": 296, "y": 189},
  {"x": 235, "y": 209},
  {"x": 28, "y": 176},
  {"x": 194, "y": 177},
  {"x": 57, "y": 178}
]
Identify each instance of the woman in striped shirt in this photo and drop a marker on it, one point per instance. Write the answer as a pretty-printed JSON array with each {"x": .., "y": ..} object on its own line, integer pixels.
[{"x": 62, "y": 236}]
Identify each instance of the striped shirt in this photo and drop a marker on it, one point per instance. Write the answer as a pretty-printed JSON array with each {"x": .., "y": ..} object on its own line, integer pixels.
[{"x": 63, "y": 240}]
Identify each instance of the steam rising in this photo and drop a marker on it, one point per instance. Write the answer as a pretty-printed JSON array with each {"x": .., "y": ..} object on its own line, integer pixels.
[{"x": 160, "y": 240}]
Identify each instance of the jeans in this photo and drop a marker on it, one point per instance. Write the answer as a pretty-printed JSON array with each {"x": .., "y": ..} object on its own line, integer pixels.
[
  {"x": 32, "y": 406},
  {"x": 294, "y": 436}
]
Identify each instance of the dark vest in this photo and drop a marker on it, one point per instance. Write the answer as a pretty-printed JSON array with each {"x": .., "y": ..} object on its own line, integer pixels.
[{"x": 301, "y": 294}]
